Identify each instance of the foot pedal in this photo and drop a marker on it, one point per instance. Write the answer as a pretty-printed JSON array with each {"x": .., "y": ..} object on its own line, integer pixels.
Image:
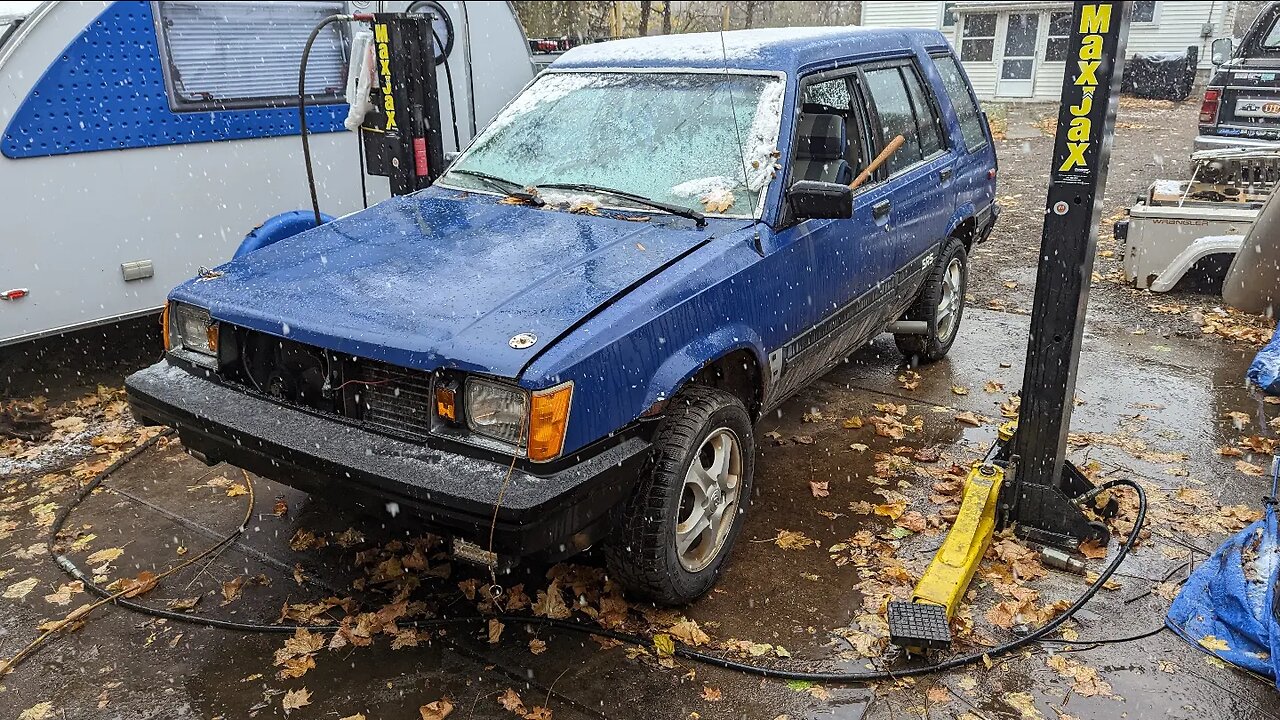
[{"x": 919, "y": 626}]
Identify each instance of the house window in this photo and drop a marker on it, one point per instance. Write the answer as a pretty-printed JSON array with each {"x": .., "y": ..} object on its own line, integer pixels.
[
  {"x": 948, "y": 15},
  {"x": 1144, "y": 11},
  {"x": 1055, "y": 49},
  {"x": 246, "y": 55},
  {"x": 978, "y": 42}
]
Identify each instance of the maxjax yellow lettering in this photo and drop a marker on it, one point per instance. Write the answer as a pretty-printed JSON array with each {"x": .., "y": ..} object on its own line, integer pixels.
[{"x": 1095, "y": 20}]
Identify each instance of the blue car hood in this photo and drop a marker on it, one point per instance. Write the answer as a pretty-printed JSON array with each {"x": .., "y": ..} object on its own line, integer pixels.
[{"x": 443, "y": 279}]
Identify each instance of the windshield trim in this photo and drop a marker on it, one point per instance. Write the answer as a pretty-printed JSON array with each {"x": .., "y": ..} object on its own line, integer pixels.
[{"x": 757, "y": 214}]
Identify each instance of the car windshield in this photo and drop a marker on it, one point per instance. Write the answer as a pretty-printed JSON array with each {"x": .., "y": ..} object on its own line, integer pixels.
[{"x": 700, "y": 140}]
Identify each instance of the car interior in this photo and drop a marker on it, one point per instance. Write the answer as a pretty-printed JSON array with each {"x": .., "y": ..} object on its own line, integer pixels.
[{"x": 827, "y": 143}]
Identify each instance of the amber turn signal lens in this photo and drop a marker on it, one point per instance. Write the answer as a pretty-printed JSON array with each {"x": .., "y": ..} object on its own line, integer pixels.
[
  {"x": 445, "y": 407},
  {"x": 548, "y": 421},
  {"x": 164, "y": 327},
  {"x": 211, "y": 334}
]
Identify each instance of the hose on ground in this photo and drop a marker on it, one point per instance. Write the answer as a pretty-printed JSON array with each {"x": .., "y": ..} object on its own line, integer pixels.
[{"x": 681, "y": 651}]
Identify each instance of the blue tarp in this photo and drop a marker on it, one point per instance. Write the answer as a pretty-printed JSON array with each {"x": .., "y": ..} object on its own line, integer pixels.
[
  {"x": 1265, "y": 369},
  {"x": 1228, "y": 606}
]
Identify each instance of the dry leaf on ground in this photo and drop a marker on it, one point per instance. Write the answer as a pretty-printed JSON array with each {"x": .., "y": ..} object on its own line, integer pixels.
[
  {"x": 438, "y": 710},
  {"x": 793, "y": 540},
  {"x": 295, "y": 699},
  {"x": 819, "y": 489}
]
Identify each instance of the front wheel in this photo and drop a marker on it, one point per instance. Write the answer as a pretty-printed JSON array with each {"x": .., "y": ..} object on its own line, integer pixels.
[
  {"x": 941, "y": 305},
  {"x": 672, "y": 537}
]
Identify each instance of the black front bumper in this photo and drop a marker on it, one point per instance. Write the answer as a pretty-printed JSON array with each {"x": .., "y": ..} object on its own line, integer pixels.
[{"x": 548, "y": 516}]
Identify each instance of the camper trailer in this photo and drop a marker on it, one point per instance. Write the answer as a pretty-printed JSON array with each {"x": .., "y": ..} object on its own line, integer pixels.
[{"x": 144, "y": 140}]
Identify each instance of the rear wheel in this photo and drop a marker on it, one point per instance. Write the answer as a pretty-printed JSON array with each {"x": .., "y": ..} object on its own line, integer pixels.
[
  {"x": 941, "y": 305},
  {"x": 673, "y": 536}
]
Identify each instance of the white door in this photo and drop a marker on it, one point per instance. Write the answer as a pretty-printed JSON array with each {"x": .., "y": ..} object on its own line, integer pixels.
[{"x": 1018, "y": 64}]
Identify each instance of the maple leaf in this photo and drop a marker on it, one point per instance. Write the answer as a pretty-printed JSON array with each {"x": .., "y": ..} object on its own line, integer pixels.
[
  {"x": 550, "y": 603},
  {"x": 1215, "y": 644},
  {"x": 105, "y": 556},
  {"x": 1249, "y": 468},
  {"x": 992, "y": 386},
  {"x": 718, "y": 200},
  {"x": 511, "y": 702},
  {"x": 893, "y": 511},
  {"x": 538, "y": 712},
  {"x": 231, "y": 589},
  {"x": 969, "y": 418},
  {"x": 689, "y": 633},
  {"x": 665, "y": 646},
  {"x": 819, "y": 489},
  {"x": 438, "y": 710},
  {"x": 237, "y": 490},
  {"x": 852, "y": 423},
  {"x": 959, "y": 390},
  {"x": 281, "y": 508},
  {"x": 144, "y": 583},
  {"x": 1093, "y": 549},
  {"x": 295, "y": 699},
  {"x": 793, "y": 540},
  {"x": 537, "y": 647},
  {"x": 711, "y": 694}
]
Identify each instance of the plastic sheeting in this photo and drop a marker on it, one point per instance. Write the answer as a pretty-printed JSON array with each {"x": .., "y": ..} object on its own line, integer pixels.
[
  {"x": 1161, "y": 75},
  {"x": 1228, "y": 607},
  {"x": 1265, "y": 369}
]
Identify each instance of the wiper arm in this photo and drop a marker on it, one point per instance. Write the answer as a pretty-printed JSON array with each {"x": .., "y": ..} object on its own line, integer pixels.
[
  {"x": 510, "y": 188},
  {"x": 672, "y": 208}
]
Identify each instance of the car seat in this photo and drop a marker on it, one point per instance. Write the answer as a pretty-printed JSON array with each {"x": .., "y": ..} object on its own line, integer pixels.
[{"x": 821, "y": 144}]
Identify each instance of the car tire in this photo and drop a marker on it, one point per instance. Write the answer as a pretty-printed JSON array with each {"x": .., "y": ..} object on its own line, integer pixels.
[
  {"x": 656, "y": 550},
  {"x": 941, "y": 304}
]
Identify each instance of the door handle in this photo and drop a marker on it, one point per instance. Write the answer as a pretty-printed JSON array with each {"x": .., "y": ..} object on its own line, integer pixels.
[
  {"x": 881, "y": 209},
  {"x": 944, "y": 174}
]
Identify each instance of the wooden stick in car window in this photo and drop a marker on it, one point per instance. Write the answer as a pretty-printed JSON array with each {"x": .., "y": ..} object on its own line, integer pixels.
[{"x": 888, "y": 150}]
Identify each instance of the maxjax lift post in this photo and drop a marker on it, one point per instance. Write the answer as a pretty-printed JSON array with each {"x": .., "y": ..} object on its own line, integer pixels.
[{"x": 1025, "y": 480}]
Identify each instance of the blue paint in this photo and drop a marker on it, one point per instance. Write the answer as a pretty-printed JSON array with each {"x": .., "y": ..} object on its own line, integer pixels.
[
  {"x": 277, "y": 228},
  {"x": 106, "y": 91},
  {"x": 627, "y": 311}
]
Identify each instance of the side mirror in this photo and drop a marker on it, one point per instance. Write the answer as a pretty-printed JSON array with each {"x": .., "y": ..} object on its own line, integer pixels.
[
  {"x": 1220, "y": 51},
  {"x": 811, "y": 199}
]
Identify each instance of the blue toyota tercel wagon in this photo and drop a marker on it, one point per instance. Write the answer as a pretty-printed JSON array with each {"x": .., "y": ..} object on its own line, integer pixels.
[{"x": 568, "y": 338}]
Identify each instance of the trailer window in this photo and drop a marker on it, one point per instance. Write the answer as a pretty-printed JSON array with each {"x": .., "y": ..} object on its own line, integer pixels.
[{"x": 245, "y": 55}]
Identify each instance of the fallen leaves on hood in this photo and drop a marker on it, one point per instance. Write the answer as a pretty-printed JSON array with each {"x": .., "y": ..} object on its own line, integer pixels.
[
  {"x": 438, "y": 710},
  {"x": 819, "y": 489},
  {"x": 295, "y": 699},
  {"x": 717, "y": 200},
  {"x": 793, "y": 540}
]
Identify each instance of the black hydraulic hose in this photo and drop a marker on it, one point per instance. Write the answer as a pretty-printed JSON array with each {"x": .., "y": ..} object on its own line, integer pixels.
[
  {"x": 578, "y": 627},
  {"x": 453, "y": 107},
  {"x": 302, "y": 109}
]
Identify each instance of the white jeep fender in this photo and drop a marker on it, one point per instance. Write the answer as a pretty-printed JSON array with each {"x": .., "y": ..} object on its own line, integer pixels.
[{"x": 1200, "y": 248}]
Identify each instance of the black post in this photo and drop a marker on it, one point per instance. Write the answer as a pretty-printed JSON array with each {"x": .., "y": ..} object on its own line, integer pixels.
[{"x": 1082, "y": 147}]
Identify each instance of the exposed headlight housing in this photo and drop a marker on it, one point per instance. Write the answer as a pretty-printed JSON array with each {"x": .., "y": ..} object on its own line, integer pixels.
[
  {"x": 534, "y": 423},
  {"x": 192, "y": 330},
  {"x": 497, "y": 411}
]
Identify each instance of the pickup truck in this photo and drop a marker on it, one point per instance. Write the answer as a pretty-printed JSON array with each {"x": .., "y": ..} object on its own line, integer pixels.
[
  {"x": 568, "y": 339},
  {"x": 1241, "y": 107}
]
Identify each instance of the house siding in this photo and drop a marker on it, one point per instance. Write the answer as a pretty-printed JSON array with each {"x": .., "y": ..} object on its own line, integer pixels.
[{"x": 1177, "y": 26}]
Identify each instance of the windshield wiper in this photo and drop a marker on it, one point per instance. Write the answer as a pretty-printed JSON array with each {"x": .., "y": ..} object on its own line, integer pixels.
[
  {"x": 672, "y": 208},
  {"x": 510, "y": 188}
]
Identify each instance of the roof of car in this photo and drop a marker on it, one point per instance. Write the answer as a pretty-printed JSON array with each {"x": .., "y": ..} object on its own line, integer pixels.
[{"x": 780, "y": 49}]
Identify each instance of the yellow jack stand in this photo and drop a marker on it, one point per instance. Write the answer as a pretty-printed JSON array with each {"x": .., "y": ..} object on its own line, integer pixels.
[{"x": 924, "y": 622}]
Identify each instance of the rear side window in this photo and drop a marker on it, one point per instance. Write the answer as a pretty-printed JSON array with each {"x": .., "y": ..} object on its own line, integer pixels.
[
  {"x": 928, "y": 128},
  {"x": 246, "y": 55},
  {"x": 893, "y": 107},
  {"x": 1271, "y": 41},
  {"x": 962, "y": 100}
]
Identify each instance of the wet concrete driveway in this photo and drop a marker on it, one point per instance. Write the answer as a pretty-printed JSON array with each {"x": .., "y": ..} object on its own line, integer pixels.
[{"x": 1153, "y": 407}]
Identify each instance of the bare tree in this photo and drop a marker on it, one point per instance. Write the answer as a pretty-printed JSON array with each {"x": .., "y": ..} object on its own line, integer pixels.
[{"x": 646, "y": 6}]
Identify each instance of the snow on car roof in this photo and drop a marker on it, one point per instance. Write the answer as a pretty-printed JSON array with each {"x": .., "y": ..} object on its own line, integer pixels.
[{"x": 779, "y": 49}]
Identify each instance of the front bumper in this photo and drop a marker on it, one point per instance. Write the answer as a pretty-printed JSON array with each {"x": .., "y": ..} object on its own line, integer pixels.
[
  {"x": 547, "y": 516},
  {"x": 1221, "y": 142}
]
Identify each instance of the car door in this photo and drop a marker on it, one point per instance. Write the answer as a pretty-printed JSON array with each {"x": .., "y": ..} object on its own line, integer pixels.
[
  {"x": 837, "y": 268},
  {"x": 917, "y": 187}
]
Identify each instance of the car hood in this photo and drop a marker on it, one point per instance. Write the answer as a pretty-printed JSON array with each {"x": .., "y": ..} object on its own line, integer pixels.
[{"x": 444, "y": 279}]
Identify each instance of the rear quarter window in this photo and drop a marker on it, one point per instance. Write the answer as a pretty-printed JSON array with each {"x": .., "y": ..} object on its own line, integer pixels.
[{"x": 966, "y": 108}]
